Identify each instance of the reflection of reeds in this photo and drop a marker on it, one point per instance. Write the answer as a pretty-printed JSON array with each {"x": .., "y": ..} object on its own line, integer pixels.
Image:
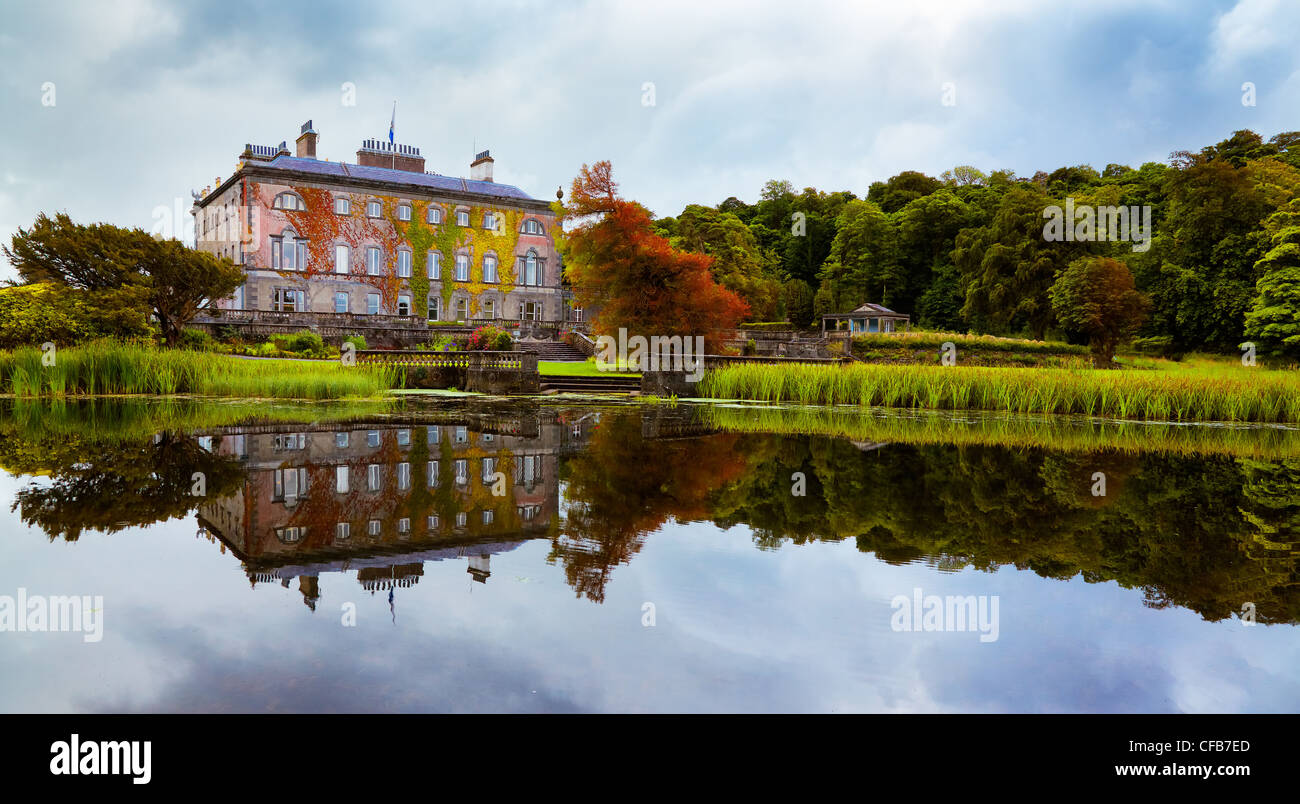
[
  {"x": 1247, "y": 395},
  {"x": 1010, "y": 430},
  {"x": 113, "y": 420},
  {"x": 114, "y": 368}
]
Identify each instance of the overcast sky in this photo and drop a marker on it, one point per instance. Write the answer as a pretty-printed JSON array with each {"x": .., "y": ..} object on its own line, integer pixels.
[{"x": 152, "y": 100}]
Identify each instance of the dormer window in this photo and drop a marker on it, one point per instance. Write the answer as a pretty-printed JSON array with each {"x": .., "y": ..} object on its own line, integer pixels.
[
  {"x": 289, "y": 201},
  {"x": 533, "y": 227}
]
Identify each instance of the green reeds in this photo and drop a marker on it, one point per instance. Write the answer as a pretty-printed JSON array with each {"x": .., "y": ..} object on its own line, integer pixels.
[
  {"x": 114, "y": 368},
  {"x": 1245, "y": 395}
]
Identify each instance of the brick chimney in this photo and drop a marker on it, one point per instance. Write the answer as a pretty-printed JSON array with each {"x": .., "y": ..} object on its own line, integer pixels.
[
  {"x": 381, "y": 153},
  {"x": 481, "y": 168},
  {"x": 307, "y": 141}
]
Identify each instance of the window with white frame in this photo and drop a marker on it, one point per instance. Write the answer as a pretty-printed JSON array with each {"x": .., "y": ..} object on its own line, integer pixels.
[
  {"x": 373, "y": 260},
  {"x": 342, "y": 259},
  {"x": 435, "y": 214},
  {"x": 341, "y": 440},
  {"x": 432, "y": 471},
  {"x": 372, "y": 304},
  {"x": 531, "y": 274},
  {"x": 403, "y": 304},
  {"x": 288, "y": 201},
  {"x": 489, "y": 221},
  {"x": 373, "y": 527},
  {"x": 373, "y": 477},
  {"x": 288, "y": 300},
  {"x": 404, "y": 263},
  {"x": 489, "y": 308},
  {"x": 532, "y": 226},
  {"x": 462, "y": 471},
  {"x": 462, "y": 267},
  {"x": 373, "y": 209},
  {"x": 462, "y": 217},
  {"x": 340, "y": 302},
  {"x": 288, "y": 253},
  {"x": 343, "y": 531},
  {"x": 342, "y": 206},
  {"x": 372, "y": 438},
  {"x": 434, "y": 312},
  {"x": 403, "y": 212},
  {"x": 433, "y": 265},
  {"x": 341, "y": 480},
  {"x": 462, "y": 309},
  {"x": 489, "y": 469},
  {"x": 403, "y": 476},
  {"x": 489, "y": 268}
]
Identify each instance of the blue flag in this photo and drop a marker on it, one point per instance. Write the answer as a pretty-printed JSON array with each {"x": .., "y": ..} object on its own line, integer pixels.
[{"x": 392, "y": 123}]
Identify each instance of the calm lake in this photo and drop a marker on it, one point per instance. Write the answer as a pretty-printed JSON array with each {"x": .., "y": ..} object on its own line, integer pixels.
[{"x": 441, "y": 554}]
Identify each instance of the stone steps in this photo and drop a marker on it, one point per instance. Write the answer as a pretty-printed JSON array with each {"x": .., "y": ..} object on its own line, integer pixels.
[
  {"x": 611, "y": 384},
  {"x": 557, "y": 351}
]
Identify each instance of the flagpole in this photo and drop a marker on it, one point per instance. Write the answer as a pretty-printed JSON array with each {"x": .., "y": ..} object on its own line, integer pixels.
[{"x": 392, "y": 144}]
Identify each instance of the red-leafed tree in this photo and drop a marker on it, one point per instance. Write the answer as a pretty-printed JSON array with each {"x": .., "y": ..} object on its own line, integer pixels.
[{"x": 633, "y": 277}]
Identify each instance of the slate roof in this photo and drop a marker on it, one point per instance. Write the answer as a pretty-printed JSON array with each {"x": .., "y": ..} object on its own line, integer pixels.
[
  {"x": 343, "y": 170},
  {"x": 869, "y": 309}
]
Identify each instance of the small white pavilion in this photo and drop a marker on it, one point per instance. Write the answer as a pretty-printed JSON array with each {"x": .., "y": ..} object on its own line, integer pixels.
[{"x": 867, "y": 318}]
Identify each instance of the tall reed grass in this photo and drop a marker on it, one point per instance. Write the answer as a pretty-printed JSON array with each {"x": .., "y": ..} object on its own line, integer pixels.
[
  {"x": 1248, "y": 395},
  {"x": 116, "y": 368}
]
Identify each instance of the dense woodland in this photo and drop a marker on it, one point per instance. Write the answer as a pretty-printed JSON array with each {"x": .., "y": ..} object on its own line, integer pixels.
[{"x": 965, "y": 251}]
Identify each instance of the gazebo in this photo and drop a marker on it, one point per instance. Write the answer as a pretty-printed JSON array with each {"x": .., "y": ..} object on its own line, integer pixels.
[{"x": 867, "y": 318}]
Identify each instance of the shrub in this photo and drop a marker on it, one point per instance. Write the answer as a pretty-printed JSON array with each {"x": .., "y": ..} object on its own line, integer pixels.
[
  {"x": 769, "y": 326},
  {"x": 751, "y": 347},
  {"x": 195, "y": 339},
  {"x": 358, "y": 341},
  {"x": 489, "y": 338}
]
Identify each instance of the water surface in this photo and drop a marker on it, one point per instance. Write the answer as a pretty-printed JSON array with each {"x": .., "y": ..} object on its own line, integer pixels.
[{"x": 651, "y": 558}]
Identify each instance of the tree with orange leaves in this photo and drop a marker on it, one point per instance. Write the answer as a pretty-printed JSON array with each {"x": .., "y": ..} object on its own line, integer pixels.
[{"x": 633, "y": 277}]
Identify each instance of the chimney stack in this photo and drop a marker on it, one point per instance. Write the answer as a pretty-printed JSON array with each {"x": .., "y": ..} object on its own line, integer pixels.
[
  {"x": 382, "y": 153},
  {"x": 307, "y": 141},
  {"x": 481, "y": 168}
]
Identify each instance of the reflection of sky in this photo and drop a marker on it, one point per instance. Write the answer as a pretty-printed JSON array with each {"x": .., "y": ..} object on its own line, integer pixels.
[{"x": 804, "y": 628}]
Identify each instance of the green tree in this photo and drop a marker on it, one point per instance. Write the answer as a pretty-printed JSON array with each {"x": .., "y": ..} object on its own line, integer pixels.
[
  {"x": 124, "y": 268},
  {"x": 1274, "y": 320}
]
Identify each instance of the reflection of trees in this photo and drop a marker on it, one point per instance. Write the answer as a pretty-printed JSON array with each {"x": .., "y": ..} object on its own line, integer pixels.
[
  {"x": 109, "y": 486},
  {"x": 1208, "y": 534},
  {"x": 621, "y": 487}
]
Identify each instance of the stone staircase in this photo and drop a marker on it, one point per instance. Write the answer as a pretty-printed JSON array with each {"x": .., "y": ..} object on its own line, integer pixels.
[
  {"x": 558, "y": 351},
  {"x": 602, "y": 384}
]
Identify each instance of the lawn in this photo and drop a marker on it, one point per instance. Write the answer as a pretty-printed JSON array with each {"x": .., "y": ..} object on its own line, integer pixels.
[{"x": 587, "y": 368}]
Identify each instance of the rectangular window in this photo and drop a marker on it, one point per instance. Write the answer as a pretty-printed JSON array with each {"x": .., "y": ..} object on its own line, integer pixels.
[
  {"x": 433, "y": 265},
  {"x": 343, "y": 531},
  {"x": 462, "y": 309},
  {"x": 489, "y": 269},
  {"x": 403, "y": 305},
  {"x": 372, "y": 304},
  {"x": 403, "y": 263},
  {"x": 489, "y": 309},
  {"x": 342, "y": 259},
  {"x": 287, "y": 300},
  {"x": 489, "y": 469},
  {"x": 461, "y": 519},
  {"x": 432, "y": 522},
  {"x": 341, "y": 440},
  {"x": 462, "y": 471},
  {"x": 462, "y": 218},
  {"x": 403, "y": 476},
  {"x": 403, "y": 438},
  {"x": 403, "y": 212},
  {"x": 300, "y": 248},
  {"x": 372, "y": 260},
  {"x": 340, "y": 302},
  {"x": 435, "y": 214},
  {"x": 372, "y": 477},
  {"x": 373, "y": 209},
  {"x": 489, "y": 220},
  {"x": 487, "y": 517},
  {"x": 342, "y": 206},
  {"x": 373, "y": 527},
  {"x": 372, "y": 438},
  {"x": 404, "y": 525},
  {"x": 341, "y": 479},
  {"x": 433, "y": 308},
  {"x": 432, "y": 470},
  {"x": 462, "y": 267}
]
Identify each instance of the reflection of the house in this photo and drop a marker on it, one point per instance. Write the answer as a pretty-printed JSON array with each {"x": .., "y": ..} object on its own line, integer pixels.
[{"x": 383, "y": 499}]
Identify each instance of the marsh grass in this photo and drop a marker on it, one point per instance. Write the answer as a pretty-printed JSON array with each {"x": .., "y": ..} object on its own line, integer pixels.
[
  {"x": 1009, "y": 430},
  {"x": 1241, "y": 395},
  {"x": 115, "y": 368}
]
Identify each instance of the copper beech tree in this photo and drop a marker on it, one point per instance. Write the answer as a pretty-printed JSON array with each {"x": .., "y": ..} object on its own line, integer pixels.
[{"x": 633, "y": 277}]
